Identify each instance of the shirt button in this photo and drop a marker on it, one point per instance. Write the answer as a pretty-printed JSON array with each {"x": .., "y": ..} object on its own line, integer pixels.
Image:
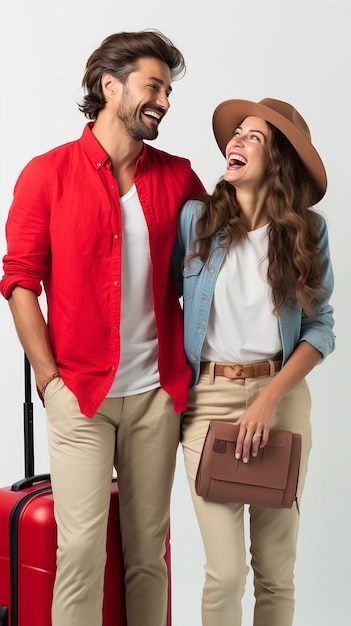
[
  {"x": 211, "y": 270},
  {"x": 116, "y": 236},
  {"x": 193, "y": 357},
  {"x": 98, "y": 165},
  {"x": 115, "y": 282}
]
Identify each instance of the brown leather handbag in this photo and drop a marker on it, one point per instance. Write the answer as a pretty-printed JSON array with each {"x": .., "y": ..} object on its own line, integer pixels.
[{"x": 267, "y": 480}]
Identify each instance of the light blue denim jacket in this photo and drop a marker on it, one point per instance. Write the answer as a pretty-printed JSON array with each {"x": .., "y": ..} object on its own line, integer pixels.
[{"x": 197, "y": 282}]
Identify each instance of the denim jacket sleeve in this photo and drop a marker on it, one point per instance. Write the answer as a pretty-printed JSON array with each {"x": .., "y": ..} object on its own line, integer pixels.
[{"x": 296, "y": 326}]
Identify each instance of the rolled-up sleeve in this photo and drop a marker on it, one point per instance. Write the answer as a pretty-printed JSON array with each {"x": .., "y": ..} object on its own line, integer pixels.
[
  {"x": 27, "y": 232},
  {"x": 319, "y": 330}
]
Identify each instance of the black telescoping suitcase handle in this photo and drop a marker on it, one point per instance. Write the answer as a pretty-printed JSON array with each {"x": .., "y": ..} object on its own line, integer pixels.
[
  {"x": 30, "y": 479},
  {"x": 28, "y": 421}
]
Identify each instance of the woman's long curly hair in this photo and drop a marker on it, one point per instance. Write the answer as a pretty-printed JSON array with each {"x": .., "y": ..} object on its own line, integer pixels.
[{"x": 294, "y": 260}]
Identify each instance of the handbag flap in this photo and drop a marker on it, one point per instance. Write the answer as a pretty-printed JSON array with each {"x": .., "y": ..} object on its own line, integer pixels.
[{"x": 268, "y": 469}]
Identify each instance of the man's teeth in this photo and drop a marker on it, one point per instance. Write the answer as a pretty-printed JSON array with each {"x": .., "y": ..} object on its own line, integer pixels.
[{"x": 157, "y": 116}]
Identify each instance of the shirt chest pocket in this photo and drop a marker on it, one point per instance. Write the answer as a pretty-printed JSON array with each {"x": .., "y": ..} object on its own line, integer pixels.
[{"x": 192, "y": 273}]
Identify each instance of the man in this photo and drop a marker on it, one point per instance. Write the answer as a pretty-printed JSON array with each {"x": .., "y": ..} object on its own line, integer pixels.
[{"x": 95, "y": 221}]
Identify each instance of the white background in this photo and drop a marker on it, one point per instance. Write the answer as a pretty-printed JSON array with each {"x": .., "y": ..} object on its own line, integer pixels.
[{"x": 299, "y": 52}]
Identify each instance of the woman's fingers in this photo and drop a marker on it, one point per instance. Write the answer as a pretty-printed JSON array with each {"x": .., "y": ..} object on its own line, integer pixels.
[{"x": 251, "y": 437}]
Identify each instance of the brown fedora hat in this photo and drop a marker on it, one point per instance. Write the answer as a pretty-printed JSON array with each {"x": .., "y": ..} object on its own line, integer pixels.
[{"x": 228, "y": 115}]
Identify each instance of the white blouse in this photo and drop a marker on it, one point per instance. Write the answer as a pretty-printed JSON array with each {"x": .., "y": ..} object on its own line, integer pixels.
[{"x": 242, "y": 326}]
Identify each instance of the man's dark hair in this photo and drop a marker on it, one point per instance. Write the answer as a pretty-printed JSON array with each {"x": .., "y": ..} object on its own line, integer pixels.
[{"x": 118, "y": 55}]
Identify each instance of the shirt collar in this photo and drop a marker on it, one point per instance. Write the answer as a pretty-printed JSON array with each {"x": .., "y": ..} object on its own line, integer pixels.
[
  {"x": 93, "y": 148},
  {"x": 100, "y": 158}
]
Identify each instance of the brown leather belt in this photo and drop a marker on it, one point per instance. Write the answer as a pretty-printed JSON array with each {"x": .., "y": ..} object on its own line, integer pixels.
[{"x": 241, "y": 370}]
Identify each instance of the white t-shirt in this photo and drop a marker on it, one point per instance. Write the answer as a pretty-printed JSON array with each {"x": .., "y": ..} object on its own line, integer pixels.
[
  {"x": 138, "y": 368},
  {"x": 242, "y": 326}
]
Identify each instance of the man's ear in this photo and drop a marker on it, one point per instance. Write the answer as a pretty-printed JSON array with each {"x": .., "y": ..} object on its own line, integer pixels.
[{"x": 110, "y": 86}]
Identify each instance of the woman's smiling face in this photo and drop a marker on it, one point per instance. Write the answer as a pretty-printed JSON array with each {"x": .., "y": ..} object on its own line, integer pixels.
[{"x": 247, "y": 153}]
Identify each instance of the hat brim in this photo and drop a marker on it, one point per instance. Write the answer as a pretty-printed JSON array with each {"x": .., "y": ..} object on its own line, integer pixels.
[{"x": 228, "y": 115}]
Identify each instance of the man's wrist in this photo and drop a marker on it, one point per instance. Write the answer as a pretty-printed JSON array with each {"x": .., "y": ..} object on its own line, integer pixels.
[{"x": 55, "y": 375}]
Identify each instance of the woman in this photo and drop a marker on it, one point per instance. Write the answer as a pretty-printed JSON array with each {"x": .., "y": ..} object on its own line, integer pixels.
[{"x": 257, "y": 278}]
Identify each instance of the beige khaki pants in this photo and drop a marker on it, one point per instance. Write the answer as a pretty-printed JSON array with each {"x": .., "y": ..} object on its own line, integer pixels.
[
  {"x": 273, "y": 533},
  {"x": 139, "y": 435}
]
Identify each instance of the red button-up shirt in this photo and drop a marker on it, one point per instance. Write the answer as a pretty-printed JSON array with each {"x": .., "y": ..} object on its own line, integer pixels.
[{"x": 64, "y": 230}]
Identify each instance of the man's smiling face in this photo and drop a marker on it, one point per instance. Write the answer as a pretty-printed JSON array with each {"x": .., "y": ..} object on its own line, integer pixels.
[{"x": 145, "y": 98}]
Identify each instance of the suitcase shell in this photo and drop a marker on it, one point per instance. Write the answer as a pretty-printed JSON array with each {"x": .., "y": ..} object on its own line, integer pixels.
[{"x": 28, "y": 550}]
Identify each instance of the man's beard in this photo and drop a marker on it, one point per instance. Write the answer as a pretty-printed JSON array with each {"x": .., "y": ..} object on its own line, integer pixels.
[
  {"x": 138, "y": 131},
  {"x": 135, "y": 127}
]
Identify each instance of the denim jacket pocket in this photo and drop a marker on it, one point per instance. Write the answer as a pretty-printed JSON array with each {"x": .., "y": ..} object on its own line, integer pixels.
[{"x": 191, "y": 275}]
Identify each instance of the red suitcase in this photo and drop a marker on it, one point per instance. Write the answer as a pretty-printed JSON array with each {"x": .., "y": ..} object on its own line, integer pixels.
[{"x": 28, "y": 546}]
